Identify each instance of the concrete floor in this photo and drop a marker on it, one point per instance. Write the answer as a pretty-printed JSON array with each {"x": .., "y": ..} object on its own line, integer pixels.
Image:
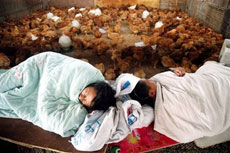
[
  {"x": 7, "y": 147},
  {"x": 192, "y": 148}
]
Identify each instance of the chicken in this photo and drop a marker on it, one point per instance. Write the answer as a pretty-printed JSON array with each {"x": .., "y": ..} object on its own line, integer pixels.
[
  {"x": 35, "y": 23},
  {"x": 112, "y": 35},
  {"x": 145, "y": 39},
  {"x": 56, "y": 46},
  {"x": 116, "y": 40},
  {"x": 187, "y": 69},
  {"x": 110, "y": 74},
  {"x": 140, "y": 73},
  {"x": 4, "y": 61},
  {"x": 74, "y": 29},
  {"x": 183, "y": 36},
  {"x": 105, "y": 19},
  {"x": 84, "y": 59},
  {"x": 165, "y": 46},
  {"x": 138, "y": 54},
  {"x": 100, "y": 67},
  {"x": 123, "y": 14},
  {"x": 86, "y": 29},
  {"x": 134, "y": 28},
  {"x": 194, "y": 55},
  {"x": 65, "y": 30},
  {"x": 100, "y": 46},
  {"x": 22, "y": 54},
  {"x": 155, "y": 58},
  {"x": 180, "y": 28},
  {"x": 115, "y": 54},
  {"x": 77, "y": 43},
  {"x": 87, "y": 43},
  {"x": 166, "y": 61},
  {"x": 15, "y": 31},
  {"x": 45, "y": 46},
  {"x": 188, "y": 45},
  {"x": 49, "y": 33},
  {"x": 96, "y": 32},
  {"x": 132, "y": 15},
  {"x": 172, "y": 34},
  {"x": 98, "y": 21},
  {"x": 194, "y": 68},
  {"x": 186, "y": 64},
  {"x": 124, "y": 64},
  {"x": 179, "y": 42},
  {"x": 117, "y": 28},
  {"x": 154, "y": 38},
  {"x": 159, "y": 30}
]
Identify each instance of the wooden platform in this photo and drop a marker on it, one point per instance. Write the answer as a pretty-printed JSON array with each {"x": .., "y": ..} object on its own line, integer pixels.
[{"x": 26, "y": 134}]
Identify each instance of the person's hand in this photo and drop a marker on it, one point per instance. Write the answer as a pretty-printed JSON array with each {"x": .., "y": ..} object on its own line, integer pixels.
[{"x": 179, "y": 71}]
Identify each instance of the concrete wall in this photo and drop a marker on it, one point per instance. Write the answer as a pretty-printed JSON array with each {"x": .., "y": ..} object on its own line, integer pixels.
[
  {"x": 225, "y": 29},
  {"x": 213, "y": 13},
  {"x": 71, "y": 3},
  {"x": 19, "y": 8},
  {"x": 171, "y": 4}
]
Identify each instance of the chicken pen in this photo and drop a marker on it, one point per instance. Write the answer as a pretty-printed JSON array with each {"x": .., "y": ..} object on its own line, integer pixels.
[{"x": 143, "y": 37}]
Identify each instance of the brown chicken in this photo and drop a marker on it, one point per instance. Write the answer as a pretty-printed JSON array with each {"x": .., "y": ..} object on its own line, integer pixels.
[
  {"x": 110, "y": 74},
  {"x": 140, "y": 73},
  {"x": 166, "y": 61},
  {"x": 100, "y": 67},
  {"x": 4, "y": 61},
  {"x": 124, "y": 64},
  {"x": 100, "y": 46}
]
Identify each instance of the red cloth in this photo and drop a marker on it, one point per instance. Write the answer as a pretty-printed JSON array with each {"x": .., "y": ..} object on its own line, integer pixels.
[{"x": 144, "y": 139}]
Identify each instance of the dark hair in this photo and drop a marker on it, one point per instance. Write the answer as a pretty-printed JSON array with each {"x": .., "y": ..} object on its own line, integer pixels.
[
  {"x": 104, "y": 98},
  {"x": 141, "y": 94}
]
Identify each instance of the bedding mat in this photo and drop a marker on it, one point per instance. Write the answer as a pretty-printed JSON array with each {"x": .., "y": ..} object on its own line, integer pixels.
[{"x": 26, "y": 134}]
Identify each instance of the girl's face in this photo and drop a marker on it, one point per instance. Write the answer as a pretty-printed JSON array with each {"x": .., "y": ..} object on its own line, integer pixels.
[{"x": 87, "y": 96}]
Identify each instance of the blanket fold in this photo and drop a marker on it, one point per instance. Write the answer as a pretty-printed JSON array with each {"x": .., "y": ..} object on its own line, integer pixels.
[{"x": 100, "y": 128}]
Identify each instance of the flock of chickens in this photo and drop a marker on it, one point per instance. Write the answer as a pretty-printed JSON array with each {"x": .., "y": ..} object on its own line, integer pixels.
[{"x": 125, "y": 37}]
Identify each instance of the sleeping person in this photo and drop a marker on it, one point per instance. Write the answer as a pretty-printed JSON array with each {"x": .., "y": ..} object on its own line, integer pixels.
[
  {"x": 187, "y": 106},
  {"x": 54, "y": 92}
]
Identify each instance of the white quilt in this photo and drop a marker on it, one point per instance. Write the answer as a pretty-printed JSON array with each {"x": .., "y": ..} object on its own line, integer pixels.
[{"x": 193, "y": 106}]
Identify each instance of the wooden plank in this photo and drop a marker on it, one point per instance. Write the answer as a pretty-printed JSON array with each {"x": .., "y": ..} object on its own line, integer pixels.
[{"x": 26, "y": 134}]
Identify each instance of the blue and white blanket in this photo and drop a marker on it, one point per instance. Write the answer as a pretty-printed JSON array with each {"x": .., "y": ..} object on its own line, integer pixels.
[
  {"x": 44, "y": 90},
  {"x": 100, "y": 128}
]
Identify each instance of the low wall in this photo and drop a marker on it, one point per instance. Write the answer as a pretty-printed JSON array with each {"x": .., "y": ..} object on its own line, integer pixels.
[{"x": 19, "y": 8}]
